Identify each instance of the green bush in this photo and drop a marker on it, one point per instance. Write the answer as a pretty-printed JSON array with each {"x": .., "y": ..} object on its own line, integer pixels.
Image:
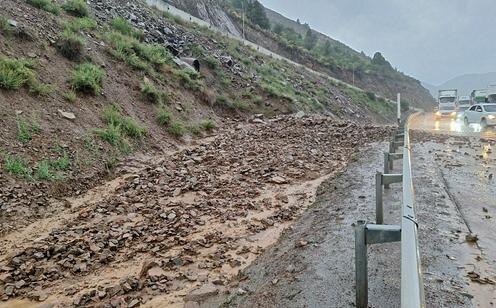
[
  {"x": 70, "y": 96},
  {"x": 208, "y": 125},
  {"x": 87, "y": 78},
  {"x": 71, "y": 44},
  {"x": 135, "y": 53},
  {"x": 16, "y": 166},
  {"x": 76, "y": 7},
  {"x": 212, "y": 62},
  {"x": 46, "y": 5},
  {"x": 4, "y": 26},
  {"x": 122, "y": 25},
  {"x": 163, "y": 116},
  {"x": 177, "y": 128},
  {"x": 370, "y": 95},
  {"x": 15, "y": 73}
]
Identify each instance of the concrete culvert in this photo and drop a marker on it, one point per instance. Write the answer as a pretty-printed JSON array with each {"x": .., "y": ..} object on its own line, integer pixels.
[
  {"x": 193, "y": 62},
  {"x": 227, "y": 61}
]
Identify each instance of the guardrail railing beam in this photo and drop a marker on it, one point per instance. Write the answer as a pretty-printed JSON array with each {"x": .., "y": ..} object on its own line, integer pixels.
[{"x": 412, "y": 289}]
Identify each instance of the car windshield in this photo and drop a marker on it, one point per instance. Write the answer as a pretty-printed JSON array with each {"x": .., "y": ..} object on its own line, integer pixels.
[
  {"x": 446, "y": 108},
  {"x": 490, "y": 108},
  {"x": 447, "y": 100}
]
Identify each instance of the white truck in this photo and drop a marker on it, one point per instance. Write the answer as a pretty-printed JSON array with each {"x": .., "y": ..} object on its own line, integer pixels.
[
  {"x": 447, "y": 101},
  {"x": 464, "y": 103},
  {"x": 491, "y": 94}
]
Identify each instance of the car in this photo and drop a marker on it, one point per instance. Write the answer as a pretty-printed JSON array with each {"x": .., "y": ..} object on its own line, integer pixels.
[
  {"x": 483, "y": 114},
  {"x": 446, "y": 110}
]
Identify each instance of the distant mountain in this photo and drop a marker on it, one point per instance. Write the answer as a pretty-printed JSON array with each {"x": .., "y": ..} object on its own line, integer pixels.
[{"x": 465, "y": 83}]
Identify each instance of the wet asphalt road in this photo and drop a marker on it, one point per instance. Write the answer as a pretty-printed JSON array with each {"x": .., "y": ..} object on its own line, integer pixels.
[
  {"x": 452, "y": 127},
  {"x": 466, "y": 164}
]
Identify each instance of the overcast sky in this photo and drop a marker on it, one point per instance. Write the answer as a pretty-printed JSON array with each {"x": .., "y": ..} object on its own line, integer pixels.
[{"x": 432, "y": 40}]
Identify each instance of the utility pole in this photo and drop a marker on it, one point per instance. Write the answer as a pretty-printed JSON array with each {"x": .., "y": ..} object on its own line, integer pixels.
[
  {"x": 243, "y": 13},
  {"x": 399, "y": 107},
  {"x": 353, "y": 76}
]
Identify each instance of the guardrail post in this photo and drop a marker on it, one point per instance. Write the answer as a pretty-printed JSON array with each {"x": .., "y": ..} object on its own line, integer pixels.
[
  {"x": 379, "y": 211},
  {"x": 386, "y": 166},
  {"x": 361, "y": 275}
]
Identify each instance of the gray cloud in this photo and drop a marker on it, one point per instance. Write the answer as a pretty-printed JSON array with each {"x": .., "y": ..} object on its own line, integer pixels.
[{"x": 433, "y": 40}]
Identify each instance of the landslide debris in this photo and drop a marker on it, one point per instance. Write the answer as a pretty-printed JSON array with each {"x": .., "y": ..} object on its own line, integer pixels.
[{"x": 189, "y": 219}]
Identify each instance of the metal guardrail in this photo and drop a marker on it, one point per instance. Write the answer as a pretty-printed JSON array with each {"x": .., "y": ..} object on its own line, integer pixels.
[{"x": 412, "y": 289}]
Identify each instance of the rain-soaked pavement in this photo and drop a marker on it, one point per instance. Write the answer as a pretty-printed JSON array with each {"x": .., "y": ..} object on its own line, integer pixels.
[
  {"x": 466, "y": 164},
  {"x": 312, "y": 265}
]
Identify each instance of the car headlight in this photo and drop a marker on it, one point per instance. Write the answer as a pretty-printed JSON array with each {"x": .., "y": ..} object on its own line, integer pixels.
[
  {"x": 491, "y": 117},
  {"x": 438, "y": 113}
]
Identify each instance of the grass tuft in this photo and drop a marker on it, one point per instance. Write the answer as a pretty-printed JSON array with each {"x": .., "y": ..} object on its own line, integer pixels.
[
  {"x": 70, "y": 96},
  {"x": 44, "y": 172},
  {"x": 16, "y": 166},
  {"x": 177, "y": 128},
  {"x": 111, "y": 134},
  {"x": 15, "y": 73},
  {"x": 87, "y": 78},
  {"x": 124, "y": 27},
  {"x": 163, "y": 116},
  {"x": 81, "y": 24},
  {"x": 77, "y": 8},
  {"x": 208, "y": 125},
  {"x": 151, "y": 94},
  {"x": 40, "y": 89}
]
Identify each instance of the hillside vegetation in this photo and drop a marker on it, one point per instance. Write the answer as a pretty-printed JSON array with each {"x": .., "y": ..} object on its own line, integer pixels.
[
  {"x": 304, "y": 45},
  {"x": 83, "y": 86}
]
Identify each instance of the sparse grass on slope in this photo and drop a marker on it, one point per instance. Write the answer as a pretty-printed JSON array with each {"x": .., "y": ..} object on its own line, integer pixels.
[{"x": 46, "y": 5}]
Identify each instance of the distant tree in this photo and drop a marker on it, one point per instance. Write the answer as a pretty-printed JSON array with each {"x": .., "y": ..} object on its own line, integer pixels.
[
  {"x": 278, "y": 28},
  {"x": 310, "y": 40},
  {"x": 256, "y": 13},
  {"x": 298, "y": 21},
  {"x": 327, "y": 48},
  {"x": 379, "y": 60}
]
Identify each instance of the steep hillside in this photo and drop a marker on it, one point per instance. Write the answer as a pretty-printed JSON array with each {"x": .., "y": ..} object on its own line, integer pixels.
[
  {"x": 79, "y": 94},
  {"x": 289, "y": 38},
  {"x": 466, "y": 83}
]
